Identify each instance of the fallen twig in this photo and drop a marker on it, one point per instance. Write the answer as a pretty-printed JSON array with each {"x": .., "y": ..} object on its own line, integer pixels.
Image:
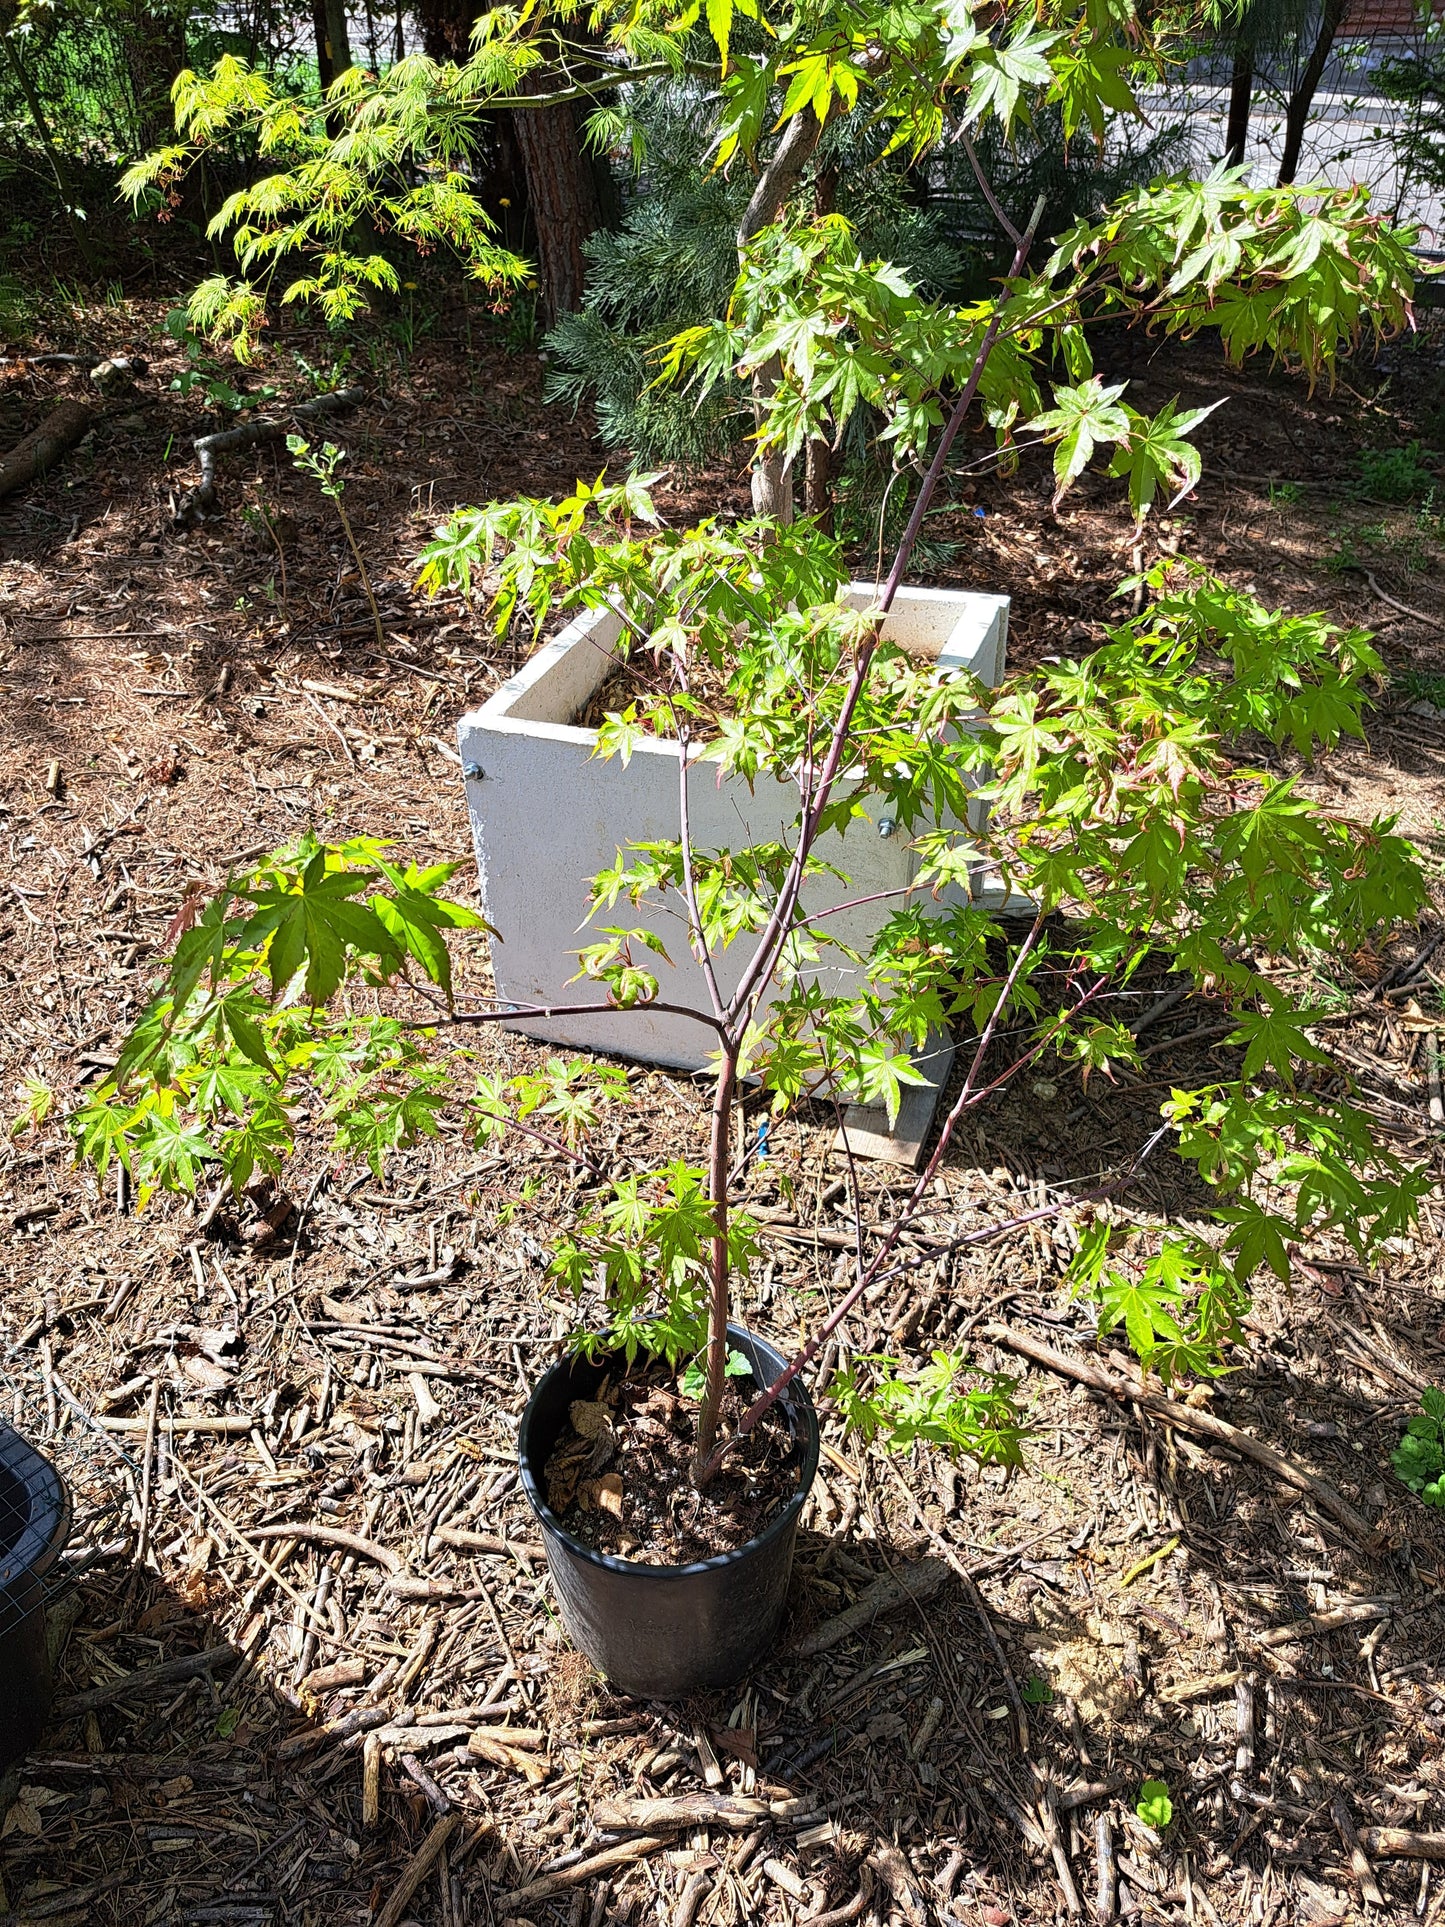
[
  {"x": 268, "y": 428},
  {"x": 1360, "y": 1867},
  {"x": 147, "y": 1679},
  {"x": 1048, "y": 1806},
  {"x": 1348, "y": 1615},
  {"x": 551, "y": 1884},
  {"x": 850, "y": 1910},
  {"x": 416, "y": 1871},
  {"x": 1415, "y": 615},
  {"x": 1186, "y": 1418},
  {"x": 1106, "y": 1886},
  {"x": 331, "y": 1536},
  {"x": 916, "y": 1582}
]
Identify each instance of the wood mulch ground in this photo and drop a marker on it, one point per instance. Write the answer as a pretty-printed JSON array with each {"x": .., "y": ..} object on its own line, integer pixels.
[{"x": 309, "y": 1672}]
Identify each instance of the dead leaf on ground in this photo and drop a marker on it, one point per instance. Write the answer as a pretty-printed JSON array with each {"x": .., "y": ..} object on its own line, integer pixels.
[
  {"x": 590, "y": 1420},
  {"x": 206, "y": 1373}
]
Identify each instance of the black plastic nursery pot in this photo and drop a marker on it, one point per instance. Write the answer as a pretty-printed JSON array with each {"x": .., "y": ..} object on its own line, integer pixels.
[
  {"x": 34, "y": 1525},
  {"x": 662, "y": 1632}
]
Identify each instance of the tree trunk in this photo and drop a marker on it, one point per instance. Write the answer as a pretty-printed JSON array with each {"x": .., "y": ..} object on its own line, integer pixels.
[
  {"x": 325, "y": 72},
  {"x": 42, "y": 128},
  {"x": 562, "y": 198},
  {"x": 818, "y": 484},
  {"x": 446, "y": 27},
  {"x": 818, "y": 465},
  {"x": 1297, "y": 113},
  {"x": 338, "y": 37},
  {"x": 537, "y": 165},
  {"x": 772, "y": 476},
  {"x": 153, "y": 42},
  {"x": 1241, "y": 92}
]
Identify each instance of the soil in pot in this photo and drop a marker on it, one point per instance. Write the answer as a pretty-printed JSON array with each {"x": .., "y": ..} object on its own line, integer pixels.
[
  {"x": 618, "y": 1477},
  {"x": 640, "y": 676}
]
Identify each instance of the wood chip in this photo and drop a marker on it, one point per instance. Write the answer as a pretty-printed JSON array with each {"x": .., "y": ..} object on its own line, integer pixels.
[
  {"x": 785, "y": 1878},
  {"x": 1397, "y": 1843},
  {"x": 552, "y": 1884},
  {"x": 733, "y": 1811}
]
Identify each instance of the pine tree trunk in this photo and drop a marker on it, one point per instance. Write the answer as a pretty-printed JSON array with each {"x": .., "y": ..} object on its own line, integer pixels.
[
  {"x": 1241, "y": 93},
  {"x": 446, "y": 27},
  {"x": 559, "y": 194},
  {"x": 1297, "y": 113},
  {"x": 338, "y": 35},
  {"x": 562, "y": 200},
  {"x": 325, "y": 72},
  {"x": 153, "y": 43}
]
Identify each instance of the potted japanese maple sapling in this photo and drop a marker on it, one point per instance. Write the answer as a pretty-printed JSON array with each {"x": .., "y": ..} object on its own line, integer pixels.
[{"x": 668, "y": 1455}]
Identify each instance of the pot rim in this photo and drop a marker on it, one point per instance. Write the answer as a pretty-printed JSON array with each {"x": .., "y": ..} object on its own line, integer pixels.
[
  {"x": 47, "y": 1528},
  {"x": 744, "y": 1340}
]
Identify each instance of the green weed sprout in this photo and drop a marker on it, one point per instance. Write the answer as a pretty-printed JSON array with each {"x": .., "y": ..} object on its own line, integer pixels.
[
  {"x": 324, "y": 466},
  {"x": 1419, "y": 1458},
  {"x": 1154, "y": 1807}
]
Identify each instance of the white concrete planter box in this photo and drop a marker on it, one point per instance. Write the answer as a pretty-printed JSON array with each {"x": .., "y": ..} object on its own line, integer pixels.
[{"x": 548, "y": 814}]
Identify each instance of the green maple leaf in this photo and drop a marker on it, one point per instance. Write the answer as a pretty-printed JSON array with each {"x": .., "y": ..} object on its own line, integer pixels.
[
  {"x": 1275, "y": 1037},
  {"x": 172, "y": 1152},
  {"x": 1144, "y": 1306},
  {"x": 1158, "y": 454},
  {"x": 311, "y": 926},
  {"x": 880, "y": 1073},
  {"x": 1002, "y": 73},
  {"x": 415, "y": 917},
  {"x": 1080, "y": 419},
  {"x": 102, "y": 1130}
]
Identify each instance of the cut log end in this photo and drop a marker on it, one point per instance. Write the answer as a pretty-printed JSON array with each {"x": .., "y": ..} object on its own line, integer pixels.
[{"x": 62, "y": 428}]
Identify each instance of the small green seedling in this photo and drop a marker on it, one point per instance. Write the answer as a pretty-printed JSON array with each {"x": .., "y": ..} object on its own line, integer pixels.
[
  {"x": 1154, "y": 1806},
  {"x": 37, "y": 1100},
  {"x": 1037, "y": 1692},
  {"x": 693, "y": 1382},
  {"x": 323, "y": 466},
  {"x": 205, "y": 374},
  {"x": 1419, "y": 1458}
]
